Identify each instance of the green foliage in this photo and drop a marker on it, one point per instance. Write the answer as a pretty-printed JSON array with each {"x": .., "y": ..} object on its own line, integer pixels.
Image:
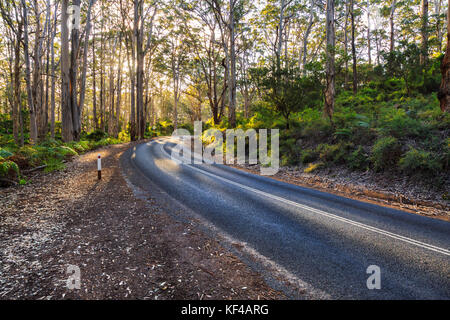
[
  {"x": 82, "y": 146},
  {"x": 397, "y": 123},
  {"x": 165, "y": 128},
  {"x": 96, "y": 135},
  {"x": 187, "y": 126},
  {"x": 5, "y": 153},
  {"x": 333, "y": 153},
  {"x": 67, "y": 151},
  {"x": 124, "y": 136},
  {"x": 285, "y": 91},
  {"x": 419, "y": 161},
  {"x": 308, "y": 156},
  {"x": 29, "y": 153},
  {"x": 50, "y": 153},
  {"x": 314, "y": 126},
  {"x": 290, "y": 152},
  {"x": 9, "y": 169},
  {"x": 385, "y": 153},
  {"x": 358, "y": 159},
  {"x": 445, "y": 159},
  {"x": 53, "y": 164}
]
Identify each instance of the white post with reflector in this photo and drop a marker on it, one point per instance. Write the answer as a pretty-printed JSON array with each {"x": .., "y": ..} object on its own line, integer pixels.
[{"x": 99, "y": 167}]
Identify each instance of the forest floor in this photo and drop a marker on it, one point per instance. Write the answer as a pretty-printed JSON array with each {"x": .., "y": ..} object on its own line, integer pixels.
[
  {"x": 126, "y": 247},
  {"x": 398, "y": 192}
]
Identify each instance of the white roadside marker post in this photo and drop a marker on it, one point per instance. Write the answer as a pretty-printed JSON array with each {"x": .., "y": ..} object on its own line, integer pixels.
[{"x": 99, "y": 167}]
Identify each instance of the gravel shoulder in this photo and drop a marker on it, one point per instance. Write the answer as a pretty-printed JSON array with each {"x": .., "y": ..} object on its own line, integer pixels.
[{"x": 127, "y": 245}]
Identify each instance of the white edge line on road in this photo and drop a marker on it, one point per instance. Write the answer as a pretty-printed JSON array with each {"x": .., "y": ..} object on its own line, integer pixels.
[{"x": 323, "y": 213}]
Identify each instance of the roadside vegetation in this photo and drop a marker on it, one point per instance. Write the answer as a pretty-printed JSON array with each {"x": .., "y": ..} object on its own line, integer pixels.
[
  {"x": 49, "y": 155},
  {"x": 361, "y": 84}
]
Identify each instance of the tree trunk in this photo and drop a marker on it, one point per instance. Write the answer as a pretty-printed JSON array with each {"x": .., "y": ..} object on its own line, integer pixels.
[
  {"x": 391, "y": 21},
  {"x": 53, "y": 93},
  {"x": 377, "y": 43},
  {"x": 119, "y": 90},
  {"x": 134, "y": 73},
  {"x": 355, "y": 72},
  {"x": 306, "y": 37},
  {"x": 232, "y": 108},
  {"x": 280, "y": 34},
  {"x": 85, "y": 62},
  {"x": 330, "y": 67},
  {"x": 140, "y": 73},
  {"x": 347, "y": 13},
  {"x": 16, "y": 84},
  {"x": 102, "y": 75},
  {"x": 33, "y": 124},
  {"x": 66, "y": 110},
  {"x": 424, "y": 33},
  {"x": 369, "y": 42},
  {"x": 437, "y": 9},
  {"x": 73, "y": 72},
  {"x": 94, "y": 85},
  {"x": 111, "y": 105},
  {"x": 444, "y": 91},
  {"x": 37, "y": 83}
]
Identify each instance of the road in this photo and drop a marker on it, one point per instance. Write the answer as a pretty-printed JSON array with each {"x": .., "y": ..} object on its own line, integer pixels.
[{"x": 325, "y": 240}]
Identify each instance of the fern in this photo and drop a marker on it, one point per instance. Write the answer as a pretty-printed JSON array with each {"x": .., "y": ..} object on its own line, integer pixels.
[{"x": 7, "y": 166}]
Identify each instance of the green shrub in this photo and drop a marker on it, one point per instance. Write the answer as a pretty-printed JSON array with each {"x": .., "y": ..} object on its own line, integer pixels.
[
  {"x": 358, "y": 159},
  {"x": 386, "y": 153},
  {"x": 308, "y": 156},
  {"x": 27, "y": 151},
  {"x": 106, "y": 142},
  {"x": 332, "y": 153},
  {"x": 445, "y": 159},
  {"x": 96, "y": 135},
  {"x": 31, "y": 154},
  {"x": 317, "y": 130},
  {"x": 419, "y": 161},
  {"x": 397, "y": 123},
  {"x": 9, "y": 168},
  {"x": 290, "y": 151},
  {"x": 5, "y": 153},
  {"x": 53, "y": 164},
  {"x": 67, "y": 151},
  {"x": 50, "y": 143},
  {"x": 80, "y": 146},
  {"x": 124, "y": 136}
]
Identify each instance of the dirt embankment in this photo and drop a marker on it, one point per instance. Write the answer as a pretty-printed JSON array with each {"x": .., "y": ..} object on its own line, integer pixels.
[{"x": 126, "y": 247}]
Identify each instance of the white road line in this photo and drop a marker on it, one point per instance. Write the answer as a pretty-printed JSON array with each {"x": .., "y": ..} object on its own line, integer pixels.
[{"x": 323, "y": 213}]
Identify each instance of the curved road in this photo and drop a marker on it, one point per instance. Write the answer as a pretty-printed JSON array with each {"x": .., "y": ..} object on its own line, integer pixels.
[{"x": 325, "y": 240}]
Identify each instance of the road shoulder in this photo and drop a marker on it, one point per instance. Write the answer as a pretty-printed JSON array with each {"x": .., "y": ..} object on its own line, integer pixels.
[{"x": 126, "y": 244}]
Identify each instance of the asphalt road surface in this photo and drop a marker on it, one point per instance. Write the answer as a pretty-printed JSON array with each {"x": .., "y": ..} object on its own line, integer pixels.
[{"x": 325, "y": 240}]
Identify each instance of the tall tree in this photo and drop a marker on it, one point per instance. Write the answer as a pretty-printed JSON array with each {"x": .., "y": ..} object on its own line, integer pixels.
[
  {"x": 444, "y": 91},
  {"x": 330, "y": 67},
  {"x": 355, "y": 73},
  {"x": 369, "y": 40},
  {"x": 391, "y": 22},
  {"x": 424, "y": 33},
  {"x": 31, "y": 107}
]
